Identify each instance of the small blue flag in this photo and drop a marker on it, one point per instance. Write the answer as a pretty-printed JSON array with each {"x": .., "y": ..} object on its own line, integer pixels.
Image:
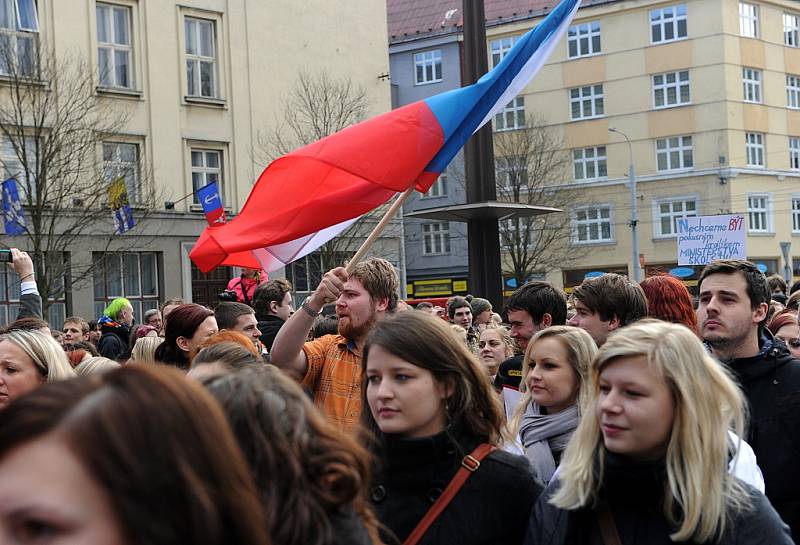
[
  {"x": 212, "y": 203},
  {"x": 13, "y": 214}
]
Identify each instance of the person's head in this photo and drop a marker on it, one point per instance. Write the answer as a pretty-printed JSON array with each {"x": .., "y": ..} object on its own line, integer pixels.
[
  {"x": 793, "y": 302},
  {"x": 460, "y": 312},
  {"x": 481, "y": 312},
  {"x": 734, "y": 300},
  {"x": 785, "y": 327},
  {"x": 94, "y": 332},
  {"x": 28, "y": 359},
  {"x": 144, "y": 350},
  {"x": 120, "y": 310},
  {"x": 425, "y": 306},
  {"x": 669, "y": 300},
  {"x": 370, "y": 293},
  {"x": 795, "y": 287},
  {"x": 112, "y": 483},
  {"x": 30, "y": 323},
  {"x": 186, "y": 328},
  {"x": 221, "y": 358},
  {"x": 776, "y": 284},
  {"x": 238, "y": 317},
  {"x": 75, "y": 329},
  {"x": 153, "y": 318},
  {"x": 656, "y": 394},
  {"x": 58, "y": 336},
  {"x": 289, "y": 444},
  {"x": 95, "y": 365},
  {"x": 606, "y": 303},
  {"x": 325, "y": 325},
  {"x": 533, "y": 307},
  {"x": 495, "y": 345},
  {"x": 274, "y": 298},
  {"x": 86, "y": 346},
  {"x": 418, "y": 377},
  {"x": 170, "y": 305}
]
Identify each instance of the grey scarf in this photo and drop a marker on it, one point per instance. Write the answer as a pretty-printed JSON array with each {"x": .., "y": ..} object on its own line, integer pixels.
[{"x": 542, "y": 434}]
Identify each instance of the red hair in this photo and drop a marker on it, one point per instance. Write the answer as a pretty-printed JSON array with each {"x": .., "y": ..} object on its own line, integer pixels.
[
  {"x": 669, "y": 300},
  {"x": 783, "y": 318}
]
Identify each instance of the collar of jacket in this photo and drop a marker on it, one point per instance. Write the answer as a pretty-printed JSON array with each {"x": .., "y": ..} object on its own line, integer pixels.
[{"x": 771, "y": 354}]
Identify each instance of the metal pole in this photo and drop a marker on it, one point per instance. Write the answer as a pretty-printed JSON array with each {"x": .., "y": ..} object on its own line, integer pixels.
[{"x": 637, "y": 267}]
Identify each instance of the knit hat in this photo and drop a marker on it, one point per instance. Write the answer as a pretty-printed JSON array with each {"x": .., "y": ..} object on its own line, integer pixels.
[{"x": 479, "y": 305}]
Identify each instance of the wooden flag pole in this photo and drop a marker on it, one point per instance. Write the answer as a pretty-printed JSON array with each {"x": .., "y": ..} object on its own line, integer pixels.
[{"x": 373, "y": 236}]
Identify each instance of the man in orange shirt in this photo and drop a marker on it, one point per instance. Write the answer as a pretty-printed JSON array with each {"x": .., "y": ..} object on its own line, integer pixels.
[{"x": 330, "y": 367}]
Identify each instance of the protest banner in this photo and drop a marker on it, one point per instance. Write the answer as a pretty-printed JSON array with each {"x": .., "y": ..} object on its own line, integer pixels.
[{"x": 703, "y": 239}]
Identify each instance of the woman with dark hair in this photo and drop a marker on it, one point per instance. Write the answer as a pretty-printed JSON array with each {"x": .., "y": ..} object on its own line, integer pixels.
[
  {"x": 786, "y": 329},
  {"x": 669, "y": 300},
  {"x": 87, "y": 461},
  {"x": 430, "y": 410},
  {"x": 187, "y": 327},
  {"x": 311, "y": 478}
]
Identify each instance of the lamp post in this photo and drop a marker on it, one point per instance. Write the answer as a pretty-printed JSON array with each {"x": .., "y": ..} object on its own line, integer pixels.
[{"x": 637, "y": 267}]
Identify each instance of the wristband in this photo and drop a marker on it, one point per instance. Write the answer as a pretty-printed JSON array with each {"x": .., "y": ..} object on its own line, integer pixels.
[
  {"x": 308, "y": 310},
  {"x": 26, "y": 276}
]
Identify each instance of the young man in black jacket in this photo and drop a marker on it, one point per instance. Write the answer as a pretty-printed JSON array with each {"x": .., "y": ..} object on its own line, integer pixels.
[
  {"x": 734, "y": 299},
  {"x": 273, "y": 305}
]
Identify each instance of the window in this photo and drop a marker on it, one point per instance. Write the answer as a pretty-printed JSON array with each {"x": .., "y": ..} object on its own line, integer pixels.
[
  {"x": 668, "y": 24},
  {"x": 793, "y": 91},
  {"x": 438, "y": 189},
  {"x": 512, "y": 116},
  {"x": 751, "y": 80},
  {"x": 791, "y": 30},
  {"x": 121, "y": 160},
  {"x": 201, "y": 58},
  {"x": 13, "y": 166},
  {"x": 593, "y": 224},
  {"x": 671, "y": 89},
  {"x": 10, "y": 292},
  {"x": 794, "y": 153},
  {"x": 748, "y": 20},
  {"x": 511, "y": 173},
  {"x": 754, "y": 145},
  {"x": 586, "y": 102},
  {"x": 435, "y": 238},
  {"x": 674, "y": 153},
  {"x": 428, "y": 67},
  {"x": 758, "y": 213},
  {"x": 667, "y": 212},
  {"x": 19, "y": 29},
  {"x": 796, "y": 214},
  {"x": 114, "y": 54},
  {"x": 583, "y": 40},
  {"x": 590, "y": 163},
  {"x": 501, "y": 47},
  {"x": 133, "y": 275},
  {"x": 206, "y": 169}
]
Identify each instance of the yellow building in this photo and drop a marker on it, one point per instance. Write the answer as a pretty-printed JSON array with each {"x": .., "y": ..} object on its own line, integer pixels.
[
  {"x": 707, "y": 91},
  {"x": 200, "y": 82}
]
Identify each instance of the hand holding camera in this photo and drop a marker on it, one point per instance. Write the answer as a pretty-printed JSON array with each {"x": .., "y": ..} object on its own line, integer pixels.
[{"x": 20, "y": 261}]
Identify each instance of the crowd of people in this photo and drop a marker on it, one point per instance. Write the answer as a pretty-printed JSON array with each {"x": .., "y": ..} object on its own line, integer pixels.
[{"x": 617, "y": 414}]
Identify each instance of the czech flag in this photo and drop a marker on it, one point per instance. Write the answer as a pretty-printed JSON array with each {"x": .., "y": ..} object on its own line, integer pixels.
[{"x": 309, "y": 196}]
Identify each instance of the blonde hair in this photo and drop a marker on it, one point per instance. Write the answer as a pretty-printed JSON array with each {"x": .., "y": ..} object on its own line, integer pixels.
[
  {"x": 505, "y": 336},
  {"x": 44, "y": 351},
  {"x": 581, "y": 350},
  {"x": 145, "y": 348},
  {"x": 96, "y": 365},
  {"x": 699, "y": 492}
]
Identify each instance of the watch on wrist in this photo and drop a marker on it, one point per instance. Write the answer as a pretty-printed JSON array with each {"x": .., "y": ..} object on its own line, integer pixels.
[{"x": 308, "y": 310}]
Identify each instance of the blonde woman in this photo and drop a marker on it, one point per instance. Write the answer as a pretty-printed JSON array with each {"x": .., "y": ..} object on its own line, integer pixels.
[
  {"x": 648, "y": 462},
  {"x": 28, "y": 359},
  {"x": 144, "y": 350},
  {"x": 96, "y": 366},
  {"x": 495, "y": 346},
  {"x": 554, "y": 371}
]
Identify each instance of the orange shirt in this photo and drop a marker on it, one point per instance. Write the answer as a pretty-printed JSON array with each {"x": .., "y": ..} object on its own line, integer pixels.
[{"x": 334, "y": 378}]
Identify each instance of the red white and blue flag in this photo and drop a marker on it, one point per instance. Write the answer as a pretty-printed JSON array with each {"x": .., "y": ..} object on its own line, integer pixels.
[
  {"x": 210, "y": 199},
  {"x": 309, "y": 196}
]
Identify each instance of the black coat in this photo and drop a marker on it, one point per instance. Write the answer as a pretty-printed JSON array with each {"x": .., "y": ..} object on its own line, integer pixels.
[
  {"x": 113, "y": 344},
  {"x": 269, "y": 325},
  {"x": 492, "y": 507},
  {"x": 634, "y": 493},
  {"x": 771, "y": 384},
  {"x": 509, "y": 374}
]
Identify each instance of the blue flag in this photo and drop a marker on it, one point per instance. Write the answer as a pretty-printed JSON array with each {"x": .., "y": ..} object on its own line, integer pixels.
[
  {"x": 120, "y": 207},
  {"x": 13, "y": 214},
  {"x": 210, "y": 198}
]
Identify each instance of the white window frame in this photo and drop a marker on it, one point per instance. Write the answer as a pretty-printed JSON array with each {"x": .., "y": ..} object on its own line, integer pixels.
[
  {"x": 794, "y": 153},
  {"x": 672, "y": 214},
  {"x": 791, "y": 29},
  {"x": 432, "y": 59},
  {"x": 438, "y": 188},
  {"x": 205, "y": 172},
  {"x": 116, "y": 166},
  {"x": 11, "y": 165},
  {"x": 512, "y": 116},
  {"x": 669, "y": 17},
  {"x": 763, "y": 209},
  {"x": 18, "y": 33},
  {"x": 796, "y": 214},
  {"x": 793, "y": 91},
  {"x": 589, "y": 222},
  {"x": 505, "y": 166},
  {"x": 587, "y": 94},
  {"x": 584, "y": 39},
  {"x": 748, "y": 20},
  {"x": 194, "y": 84},
  {"x": 668, "y": 147},
  {"x": 594, "y": 159},
  {"x": 500, "y": 47},
  {"x": 114, "y": 46},
  {"x": 755, "y": 153},
  {"x": 438, "y": 234},
  {"x": 675, "y": 82},
  {"x": 133, "y": 291},
  {"x": 751, "y": 85}
]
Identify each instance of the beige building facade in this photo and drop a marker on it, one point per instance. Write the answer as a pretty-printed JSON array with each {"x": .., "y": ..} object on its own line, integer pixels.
[{"x": 201, "y": 82}]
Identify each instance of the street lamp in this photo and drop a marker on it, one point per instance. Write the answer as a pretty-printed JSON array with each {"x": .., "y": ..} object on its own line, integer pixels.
[{"x": 637, "y": 267}]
